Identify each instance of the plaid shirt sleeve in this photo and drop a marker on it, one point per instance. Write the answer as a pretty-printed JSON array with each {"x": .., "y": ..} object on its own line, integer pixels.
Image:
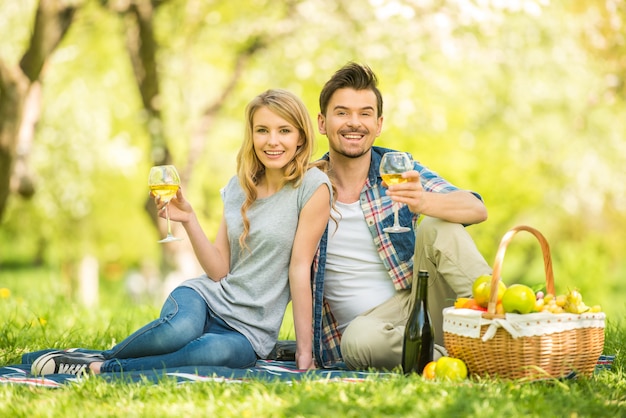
[{"x": 431, "y": 182}]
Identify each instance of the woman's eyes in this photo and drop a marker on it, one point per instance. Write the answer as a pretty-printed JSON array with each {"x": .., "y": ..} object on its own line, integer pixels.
[{"x": 283, "y": 131}]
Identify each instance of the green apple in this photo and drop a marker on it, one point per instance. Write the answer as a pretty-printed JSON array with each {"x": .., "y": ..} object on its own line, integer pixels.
[
  {"x": 518, "y": 298},
  {"x": 481, "y": 290},
  {"x": 450, "y": 368}
]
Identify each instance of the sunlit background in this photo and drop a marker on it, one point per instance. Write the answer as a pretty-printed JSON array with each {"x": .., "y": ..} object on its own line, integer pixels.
[{"x": 522, "y": 101}]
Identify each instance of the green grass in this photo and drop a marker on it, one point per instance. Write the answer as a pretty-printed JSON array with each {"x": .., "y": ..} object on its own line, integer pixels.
[{"x": 39, "y": 313}]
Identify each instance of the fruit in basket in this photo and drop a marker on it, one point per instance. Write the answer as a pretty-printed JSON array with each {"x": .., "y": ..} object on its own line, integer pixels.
[
  {"x": 574, "y": 303},
  {"x": 550, "y": 305},
  {"x": 481, "y": 290},
  {"x": 460, "y": 302},
  {"x": 571, "y": 302},
  {"x": 518, "y": 298},
  {"x": 450, "y": 368},
  {"x": 468, "y": 303},
  {"x": 500, "y": 309},
  {"x": 574, "y": 297}
]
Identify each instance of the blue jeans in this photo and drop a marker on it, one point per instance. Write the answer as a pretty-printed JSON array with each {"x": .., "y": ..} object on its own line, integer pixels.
[{"x": 187, "y": 333}]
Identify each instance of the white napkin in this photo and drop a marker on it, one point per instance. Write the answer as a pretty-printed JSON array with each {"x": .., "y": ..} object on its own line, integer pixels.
[{"x": 468, "y": 323}]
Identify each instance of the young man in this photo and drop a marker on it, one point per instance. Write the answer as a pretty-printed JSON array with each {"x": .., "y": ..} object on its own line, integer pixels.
[{"x": 362, "y": 285}]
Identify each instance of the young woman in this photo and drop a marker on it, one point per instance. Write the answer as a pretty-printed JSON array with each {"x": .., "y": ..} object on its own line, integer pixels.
[{"x": 275, "y": 211}]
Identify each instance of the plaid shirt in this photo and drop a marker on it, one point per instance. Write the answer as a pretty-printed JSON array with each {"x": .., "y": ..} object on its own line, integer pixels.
[{"x": 396, "y": 251}]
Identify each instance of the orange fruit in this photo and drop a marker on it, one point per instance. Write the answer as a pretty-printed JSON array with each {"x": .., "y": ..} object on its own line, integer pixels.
[
  {"x": 472, "y": 304},
  {"x": 429, "y": 370},
  {"x": 460, "y": 302},
  {"x": 499, "y": 308}
]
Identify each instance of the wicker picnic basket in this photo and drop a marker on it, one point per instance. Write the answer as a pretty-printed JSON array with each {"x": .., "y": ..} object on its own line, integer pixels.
[{"x": 531, "y": 346}]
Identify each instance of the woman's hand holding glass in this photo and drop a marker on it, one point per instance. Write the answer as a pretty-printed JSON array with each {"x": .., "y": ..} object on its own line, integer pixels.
[
  {"x": 178, "y": 208},
  {"x": 164, "y": 183}
]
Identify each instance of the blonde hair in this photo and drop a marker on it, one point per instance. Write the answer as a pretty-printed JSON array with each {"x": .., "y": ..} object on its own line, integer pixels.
[{"x": 250, "y": 170}]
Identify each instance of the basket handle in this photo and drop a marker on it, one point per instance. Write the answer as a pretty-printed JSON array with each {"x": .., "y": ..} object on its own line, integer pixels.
[{"x": 497, "y": 265}]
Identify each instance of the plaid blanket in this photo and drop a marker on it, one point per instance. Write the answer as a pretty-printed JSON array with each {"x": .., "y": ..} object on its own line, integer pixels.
[
  {"x": 264, "y": 370},
  {"x": 267, "y": 370}
]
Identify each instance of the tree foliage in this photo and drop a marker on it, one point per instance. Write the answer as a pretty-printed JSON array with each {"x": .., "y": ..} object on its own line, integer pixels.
[{"x": 520, "y": 100}]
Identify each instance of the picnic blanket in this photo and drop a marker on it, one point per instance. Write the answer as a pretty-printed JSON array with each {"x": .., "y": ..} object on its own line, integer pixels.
[{"x": 264, "y": 370}]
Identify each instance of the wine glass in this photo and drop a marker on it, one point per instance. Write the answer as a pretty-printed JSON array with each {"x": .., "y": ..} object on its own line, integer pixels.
[
  {"x": 164, "y": 181},
  {"x": 392, "y": 165}
]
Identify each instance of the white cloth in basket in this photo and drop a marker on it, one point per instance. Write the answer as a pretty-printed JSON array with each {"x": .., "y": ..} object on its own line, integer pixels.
[{"x": 468, "y": 323}]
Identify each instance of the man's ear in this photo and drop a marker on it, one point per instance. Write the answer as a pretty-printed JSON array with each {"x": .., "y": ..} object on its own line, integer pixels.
[
  {"x": 321, "y": 124},
  {"x": 380, "y": 126}
]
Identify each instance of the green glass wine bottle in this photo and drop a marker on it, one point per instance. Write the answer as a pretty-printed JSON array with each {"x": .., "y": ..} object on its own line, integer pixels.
[{"x": 419, "y": 337}]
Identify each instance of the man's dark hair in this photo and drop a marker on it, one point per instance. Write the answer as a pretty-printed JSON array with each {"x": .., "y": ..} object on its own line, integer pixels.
[{"x": 351, "y": 76}]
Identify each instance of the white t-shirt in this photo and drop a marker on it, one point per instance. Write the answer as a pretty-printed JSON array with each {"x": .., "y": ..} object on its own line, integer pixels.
[{"x": 355, "y": 279}]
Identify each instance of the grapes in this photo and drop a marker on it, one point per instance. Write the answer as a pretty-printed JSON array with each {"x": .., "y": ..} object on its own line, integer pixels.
[
  {"x": 574, "y": 297},
  {"x": 550, "y": 305},
  {"x": 572, "y": 302}
]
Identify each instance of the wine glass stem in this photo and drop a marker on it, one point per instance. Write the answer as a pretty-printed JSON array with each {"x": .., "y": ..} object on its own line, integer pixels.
[
  {"x": 396, "y": 221},
  {"x": 167, "y": 217}
]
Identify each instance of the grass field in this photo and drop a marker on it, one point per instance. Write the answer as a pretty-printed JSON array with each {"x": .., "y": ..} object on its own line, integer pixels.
[{"x": 36, "y": 313}]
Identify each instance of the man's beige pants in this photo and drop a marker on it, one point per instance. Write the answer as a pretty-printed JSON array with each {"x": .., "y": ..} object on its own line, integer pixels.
[{"x": 447, "y": 251}]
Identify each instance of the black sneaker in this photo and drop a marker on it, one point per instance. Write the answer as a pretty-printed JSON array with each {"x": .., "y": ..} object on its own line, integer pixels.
[
  {"x": 63, "y": 362},
  {"x": 284, "y": 350}
]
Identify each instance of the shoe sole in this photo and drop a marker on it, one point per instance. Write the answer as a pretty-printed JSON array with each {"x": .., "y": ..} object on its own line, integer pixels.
[{"x": 45, "y": 364}]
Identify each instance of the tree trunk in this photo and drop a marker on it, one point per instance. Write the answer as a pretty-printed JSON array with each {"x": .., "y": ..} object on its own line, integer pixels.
[
  {"x": 19, "y": 89},
  {"x": 13, "y": 90}
]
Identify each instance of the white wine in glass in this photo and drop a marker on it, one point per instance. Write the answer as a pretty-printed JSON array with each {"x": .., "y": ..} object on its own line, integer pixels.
[
  {"x": 164, "y": 182},
  {"x": 392, "y": 165},
  {"x": 393, "y": 179}
]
